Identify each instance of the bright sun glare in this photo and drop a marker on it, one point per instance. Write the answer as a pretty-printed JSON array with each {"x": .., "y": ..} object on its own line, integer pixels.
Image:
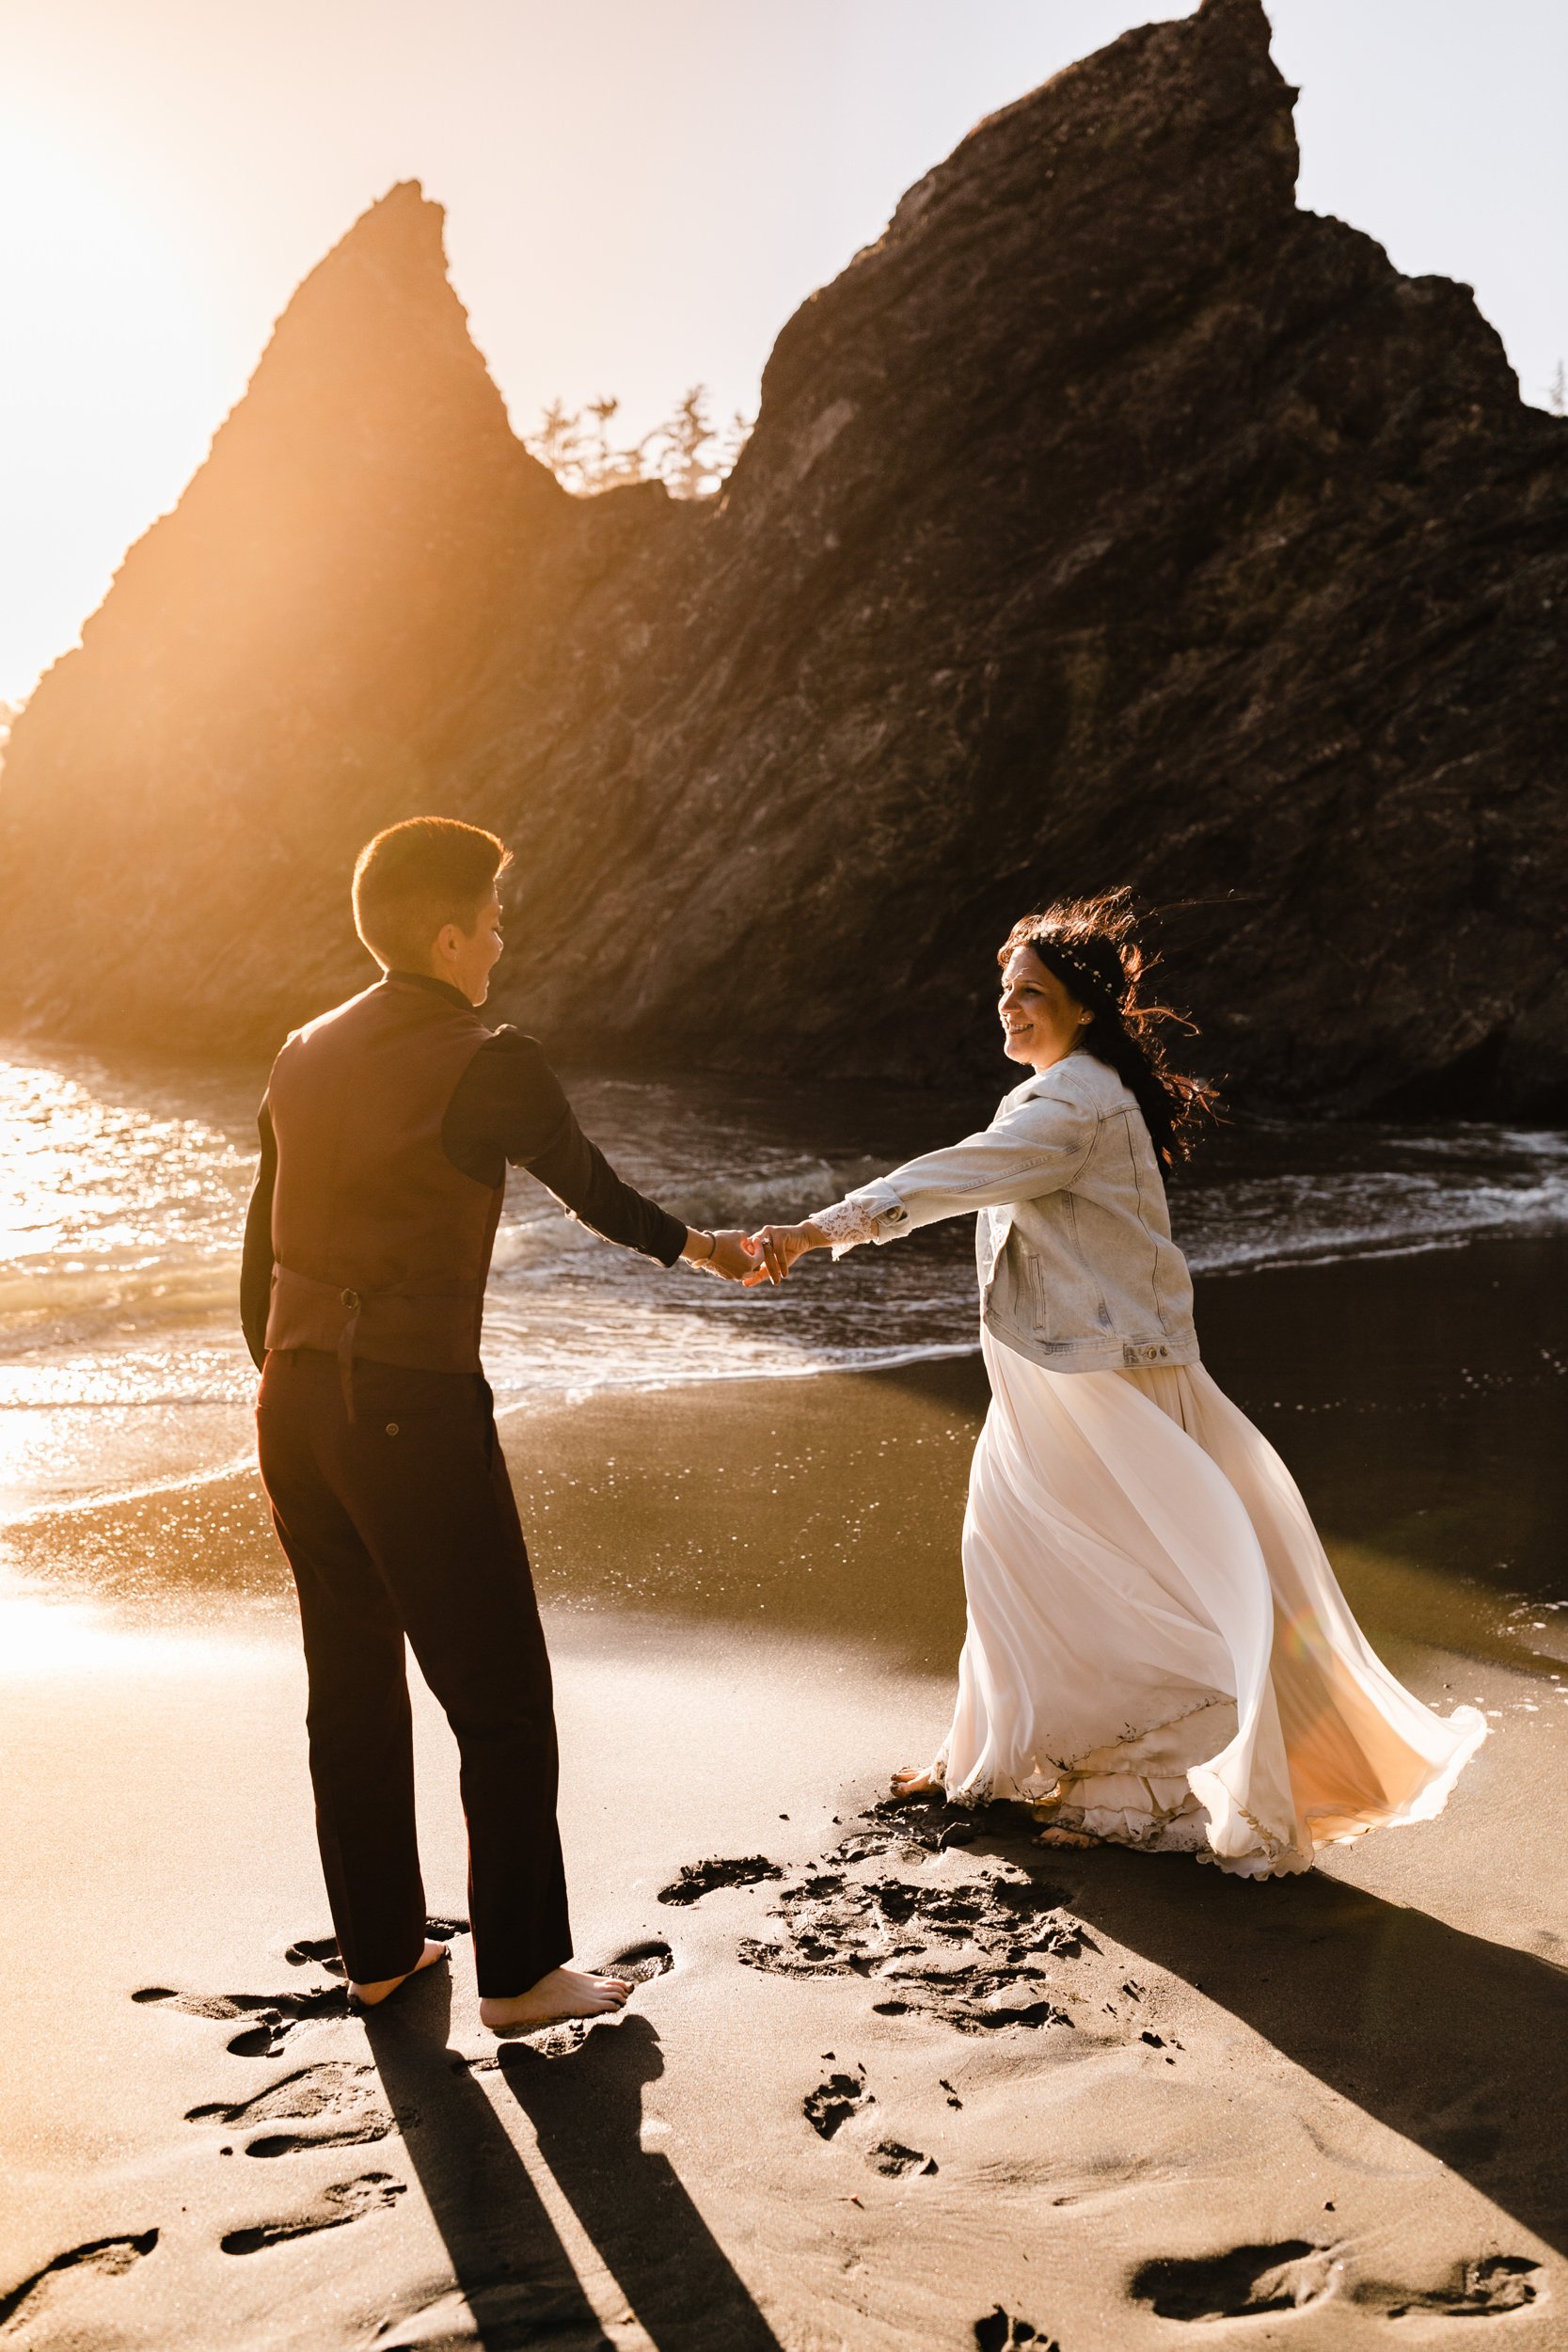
[{"x": 87, "y": 280}]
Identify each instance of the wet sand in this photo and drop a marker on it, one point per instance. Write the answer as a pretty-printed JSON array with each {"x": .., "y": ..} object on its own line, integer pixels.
[{"x": 899, "y": 2087}]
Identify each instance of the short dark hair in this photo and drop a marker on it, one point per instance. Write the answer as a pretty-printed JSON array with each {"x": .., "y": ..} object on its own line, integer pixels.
[{"x": 416, "y": 877}]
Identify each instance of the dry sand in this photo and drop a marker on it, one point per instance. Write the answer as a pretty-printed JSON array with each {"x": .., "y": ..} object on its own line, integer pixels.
[{"x": 892, "y": 2089}]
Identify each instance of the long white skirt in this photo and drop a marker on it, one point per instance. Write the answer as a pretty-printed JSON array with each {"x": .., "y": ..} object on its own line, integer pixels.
[{"x": 1157, "y": 1645}]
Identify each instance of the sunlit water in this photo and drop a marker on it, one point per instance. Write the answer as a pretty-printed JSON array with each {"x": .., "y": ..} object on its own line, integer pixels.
[{"x": 122, "y": 1196}]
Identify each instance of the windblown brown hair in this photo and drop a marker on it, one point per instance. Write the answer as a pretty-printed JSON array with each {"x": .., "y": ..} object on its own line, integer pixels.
[
  {"x": 415, "y": 878},
  {"x": 1089, "y": 944}
]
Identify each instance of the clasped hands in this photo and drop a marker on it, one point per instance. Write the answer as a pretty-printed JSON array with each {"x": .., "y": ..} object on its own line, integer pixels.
[{"x": 765, "y": 1256}]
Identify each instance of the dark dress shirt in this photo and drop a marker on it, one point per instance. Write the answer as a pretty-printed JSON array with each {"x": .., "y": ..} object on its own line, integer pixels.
[{"x": 507, "y": 1108}]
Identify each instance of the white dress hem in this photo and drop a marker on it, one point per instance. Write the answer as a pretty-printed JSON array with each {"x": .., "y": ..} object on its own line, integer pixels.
[{"x": 1136, "y": 1553}]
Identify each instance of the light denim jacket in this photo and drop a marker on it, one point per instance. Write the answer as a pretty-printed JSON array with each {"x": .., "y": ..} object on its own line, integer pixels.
[{"x": 1077, "y": 1265}]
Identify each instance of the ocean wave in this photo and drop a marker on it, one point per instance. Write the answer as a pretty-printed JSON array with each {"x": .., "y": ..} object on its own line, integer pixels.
[
  {"x": 42, "y": 1300},
  {"x": 1298, "y": 1217},
  {"x": 120, "y": 1263}
]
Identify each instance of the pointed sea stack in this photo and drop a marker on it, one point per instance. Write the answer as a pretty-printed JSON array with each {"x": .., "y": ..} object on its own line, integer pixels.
[
  {"x": 270, "y": 672},
  {"x": 1109, "y": 519}
]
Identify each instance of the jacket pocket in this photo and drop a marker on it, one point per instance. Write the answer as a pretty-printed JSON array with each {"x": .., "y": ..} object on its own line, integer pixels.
[
  {"x": 1059, "y": 1299},
  {"x": 1094, "y": 1292},
  {"x": 1047, "y": 1311}
]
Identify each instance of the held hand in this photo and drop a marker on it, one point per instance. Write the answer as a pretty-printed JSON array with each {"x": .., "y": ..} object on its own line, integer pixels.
[
  {"x": 780, "y": 1244},
  {"x": 735, "y": 1257}
]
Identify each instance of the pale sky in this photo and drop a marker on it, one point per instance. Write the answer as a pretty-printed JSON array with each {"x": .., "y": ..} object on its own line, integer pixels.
[{"x": 638, "y": 197}]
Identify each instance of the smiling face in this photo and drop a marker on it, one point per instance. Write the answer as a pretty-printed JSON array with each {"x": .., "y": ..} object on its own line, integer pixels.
[
  {"x": 1041, "y": 1022},
  {"x": 466, "y": 959}
]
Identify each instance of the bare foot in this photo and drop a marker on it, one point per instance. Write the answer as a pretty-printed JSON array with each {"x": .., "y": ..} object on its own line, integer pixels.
[
  {"x": 909, "y": 1780},
  {"x": 564, "y": 1993},
  {"x": 370, "y": 1996},
  {"x": 1054, "y": 1835}
]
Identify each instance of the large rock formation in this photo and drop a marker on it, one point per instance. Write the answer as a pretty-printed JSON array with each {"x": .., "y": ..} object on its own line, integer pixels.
[{"x": 1110, "y": 519}]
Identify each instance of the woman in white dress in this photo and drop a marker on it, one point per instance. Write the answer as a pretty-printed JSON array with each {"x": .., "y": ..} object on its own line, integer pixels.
[{"x": 1158, "y": 1652}]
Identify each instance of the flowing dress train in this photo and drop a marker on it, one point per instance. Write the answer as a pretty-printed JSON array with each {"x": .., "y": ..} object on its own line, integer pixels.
[{"x": 1156, "y": 1642}]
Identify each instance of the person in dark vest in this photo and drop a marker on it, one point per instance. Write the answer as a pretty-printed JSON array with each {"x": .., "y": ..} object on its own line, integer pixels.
[{"x": 387, "y": 1130}]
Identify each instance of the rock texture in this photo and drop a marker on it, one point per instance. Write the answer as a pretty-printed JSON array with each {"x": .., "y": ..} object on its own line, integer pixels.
[{"x": 1109, "y": 519}]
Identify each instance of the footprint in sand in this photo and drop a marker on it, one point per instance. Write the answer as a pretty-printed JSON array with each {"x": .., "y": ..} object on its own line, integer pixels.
[
  {"x": 1000, "y": 2331},
  {"x": 697, "y": 1879},
  {"x": 344, "y": 2202},
  {"x": 1475, "y": 2290},
  {"x": 1296, "y": 2274},
  {"x": 277, "y": 2014},
  {"x": 335, "y": 2097},
  {"x": 22, "y": 2306},
  {"x": 890, "y": 2156},
  {"x": 974, "y": 1954},
  {"x": 913, "y": 1826},
  {"x": 1242, "y": 2283},
  {"x": 321, "y": 1951},
  {"x": 835, "y": 2101},
  {"x": 639, "y": 1963}
]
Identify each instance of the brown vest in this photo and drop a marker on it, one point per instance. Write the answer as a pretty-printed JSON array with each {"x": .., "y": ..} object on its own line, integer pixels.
[{"x": 382, "y": 1247}]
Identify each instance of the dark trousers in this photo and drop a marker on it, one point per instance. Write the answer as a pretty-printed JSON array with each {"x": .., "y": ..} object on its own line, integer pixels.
[{"x": 403, "y": 1521}]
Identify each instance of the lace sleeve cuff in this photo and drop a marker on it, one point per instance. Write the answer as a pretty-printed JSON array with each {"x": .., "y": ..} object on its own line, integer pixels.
[{"x": 846, "y": 1224}]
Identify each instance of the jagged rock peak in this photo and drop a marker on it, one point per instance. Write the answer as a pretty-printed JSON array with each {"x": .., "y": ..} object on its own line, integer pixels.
[
  {"x": 378, "y": 302},
  {"x": 401, "y": 226},
  {"x": 1110, "y": 520},
  {"x": 403, "y": 213},
  {"x": 275, "y": 655},
  {"x": 1209, "y": 77},
  {"x": 1077, "y": 214}
]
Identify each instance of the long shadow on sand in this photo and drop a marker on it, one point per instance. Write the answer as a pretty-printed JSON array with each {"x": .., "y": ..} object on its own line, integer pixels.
[
  {"x": 587, "y": 2110},
  {"x": 510, "y": 2266},
  {"x": 1460, "y": 2045}
]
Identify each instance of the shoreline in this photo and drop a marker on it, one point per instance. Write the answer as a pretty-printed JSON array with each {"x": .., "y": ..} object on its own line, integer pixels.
[
  {"x": 852, "y": 2106},
  {"x": 1417, "y": 1414}
]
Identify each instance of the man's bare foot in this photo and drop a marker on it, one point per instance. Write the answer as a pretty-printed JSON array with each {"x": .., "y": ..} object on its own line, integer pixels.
[
  {"x": 564, "y": 1993},
  {"x": 370, "y": 1996},
  {"x": 909, "y": 1780}
]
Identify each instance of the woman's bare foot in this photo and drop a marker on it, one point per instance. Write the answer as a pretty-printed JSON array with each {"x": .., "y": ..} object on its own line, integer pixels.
[
  {"x": 1054, "y": 1835},
  {"x": 564, "y": 1993},
  {"x": 909, "y": 1780},
  {"x": 370, "y": 1996}
]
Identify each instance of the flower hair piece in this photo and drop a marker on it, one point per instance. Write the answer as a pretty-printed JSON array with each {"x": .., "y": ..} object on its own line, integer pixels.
[{"x": 1076, "y": 966}]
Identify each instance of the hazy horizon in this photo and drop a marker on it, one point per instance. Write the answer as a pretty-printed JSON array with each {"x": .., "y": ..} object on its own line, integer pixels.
[{"x": 623, "y": 217}]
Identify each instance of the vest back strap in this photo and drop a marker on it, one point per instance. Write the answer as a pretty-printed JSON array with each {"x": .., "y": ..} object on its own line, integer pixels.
[{"x": 431, "y": 1327}]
